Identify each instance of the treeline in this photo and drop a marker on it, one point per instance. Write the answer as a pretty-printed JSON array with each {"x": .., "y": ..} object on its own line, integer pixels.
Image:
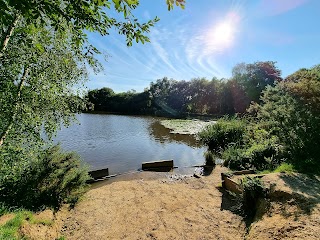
[{"x": 197, "y": 96}]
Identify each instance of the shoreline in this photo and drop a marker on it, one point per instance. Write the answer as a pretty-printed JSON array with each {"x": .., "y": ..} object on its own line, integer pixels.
[{"x": 170, "y": 206}]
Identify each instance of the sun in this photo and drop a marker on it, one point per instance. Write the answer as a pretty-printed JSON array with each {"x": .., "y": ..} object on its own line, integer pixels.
[{"x": 221, "y": 35}]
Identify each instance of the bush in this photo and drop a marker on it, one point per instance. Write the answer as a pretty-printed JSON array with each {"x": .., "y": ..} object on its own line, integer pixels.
[
  {"x": 50, "y": 180},
  {"x": 258, "y": 151},
  {"x": 210, "y": 158},
  {"x": 220, "y": 135},
  {"x": 253, "y": 190}
]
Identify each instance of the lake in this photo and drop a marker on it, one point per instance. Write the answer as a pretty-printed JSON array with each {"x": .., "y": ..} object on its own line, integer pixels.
[{"x": 122, "y": 143}]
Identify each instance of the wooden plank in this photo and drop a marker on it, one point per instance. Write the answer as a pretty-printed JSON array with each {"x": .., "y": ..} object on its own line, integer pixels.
[
  {"x": 243, "y": 172},
  {"x": 230, "y": 185},
  {"x": 101, "y": 173},
  {"x": 166, "y": 164}
]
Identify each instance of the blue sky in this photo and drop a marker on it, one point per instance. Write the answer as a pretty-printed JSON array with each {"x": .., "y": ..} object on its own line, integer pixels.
[{"x": 208, "y": 39}]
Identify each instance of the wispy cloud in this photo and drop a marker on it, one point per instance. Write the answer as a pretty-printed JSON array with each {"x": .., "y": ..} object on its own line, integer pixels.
[
  {"x": 277, "y": 7},
  {"x": 184, "y": 50}
]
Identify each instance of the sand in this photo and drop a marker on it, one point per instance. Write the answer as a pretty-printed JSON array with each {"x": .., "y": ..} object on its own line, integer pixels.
[
  {"x": 166, "y": 206},
  {"x": 169, "y": 208}
]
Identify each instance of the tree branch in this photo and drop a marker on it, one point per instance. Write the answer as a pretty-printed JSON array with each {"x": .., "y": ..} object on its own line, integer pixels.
[
  {"x": 8, "y": 34},
  {"x": 5, "y": 133}
]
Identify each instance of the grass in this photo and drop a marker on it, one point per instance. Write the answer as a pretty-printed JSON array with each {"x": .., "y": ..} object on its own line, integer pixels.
[
  {"x": 10, "y": 229},
  {"x": 286, "y": 168},
  {"x": 282, "y": 168}
]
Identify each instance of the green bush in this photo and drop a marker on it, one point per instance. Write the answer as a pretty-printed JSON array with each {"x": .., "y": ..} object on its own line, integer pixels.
[
  {"x": 253, "y": 190},
  {"x": 210, "y": 158},
  {"x": 223, "y": 133},
  {"x": 258, "y": 151},
  {"x": 50, "y": 180}
]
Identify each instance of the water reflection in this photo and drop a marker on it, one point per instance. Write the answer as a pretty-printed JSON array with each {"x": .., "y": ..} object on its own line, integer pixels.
[
  {"x": 163, "y": 135},
  {"x": 122, "y": 143}
]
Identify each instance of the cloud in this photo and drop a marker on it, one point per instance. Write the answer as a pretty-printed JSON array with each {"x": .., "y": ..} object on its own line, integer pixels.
[
  {"x": 182, "y": 51},
  {"x": 276, "y": 7}
]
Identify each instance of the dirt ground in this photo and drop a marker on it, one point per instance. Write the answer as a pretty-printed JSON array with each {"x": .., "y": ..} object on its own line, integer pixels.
[{"x": 166, "y": 206}]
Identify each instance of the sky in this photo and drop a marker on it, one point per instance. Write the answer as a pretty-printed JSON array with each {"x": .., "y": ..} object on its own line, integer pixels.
[{"x": 208, "y": 39}]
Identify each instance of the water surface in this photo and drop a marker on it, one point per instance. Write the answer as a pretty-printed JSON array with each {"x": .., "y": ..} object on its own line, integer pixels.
[{"x": 122, "y": 143}]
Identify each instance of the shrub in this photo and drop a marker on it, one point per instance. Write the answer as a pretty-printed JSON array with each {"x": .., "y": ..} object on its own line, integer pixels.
[
  {"x": 259, "y": 155},
  {"x": 233, "y": 158},
  {"x": 294, "y": 121},
  {"x": 210, "y": 158},
  {"x": 253, "y": 190},
  {"x": 219, "y": 135},
  {"x": 50, "y": 180}
]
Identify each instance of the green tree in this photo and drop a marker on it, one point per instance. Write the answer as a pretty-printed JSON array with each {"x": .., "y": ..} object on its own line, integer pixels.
[
  {"x": 45, "y": 53},
  {"x": 79, "y": 14},
  {"x": 253, "y": 78},
  {"x": 37, "y": 78}
]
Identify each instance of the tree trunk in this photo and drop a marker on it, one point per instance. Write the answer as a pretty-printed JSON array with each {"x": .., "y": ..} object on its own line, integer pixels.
[
  {"x": 6, "y": 131},
  {"x": 8, "y": 34}
]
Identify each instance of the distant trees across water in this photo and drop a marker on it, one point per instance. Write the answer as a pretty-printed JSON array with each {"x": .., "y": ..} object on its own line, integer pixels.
[{"x": 197, "y": 96}]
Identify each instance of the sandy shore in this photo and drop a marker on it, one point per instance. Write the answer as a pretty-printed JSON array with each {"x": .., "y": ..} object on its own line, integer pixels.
[{"x": 166, "y": 206}]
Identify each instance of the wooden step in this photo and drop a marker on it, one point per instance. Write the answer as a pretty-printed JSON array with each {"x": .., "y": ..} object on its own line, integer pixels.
[
  {"x": 157, "y": 165},
  {"x": 101, "y": 173}
]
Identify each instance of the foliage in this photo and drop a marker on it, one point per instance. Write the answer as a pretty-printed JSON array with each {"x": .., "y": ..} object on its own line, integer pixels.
[
  {"x": 284, "y": 127},
  {"x": 37, "y": 84},
  {"x": 130, "y": 102},
  {"x": 80, "y": 15},
  {"x": 253, "y": 78},
  {"x": 49, "y": 179},
  {"x": 210, "y": 158},
  {"x": 293, "y": 118},
  {"x": 223, "y": 133},
  {"x": 285, "y": 168},
  {"x": 253, "y": 189},
  {"x": 197, "y": 96}
]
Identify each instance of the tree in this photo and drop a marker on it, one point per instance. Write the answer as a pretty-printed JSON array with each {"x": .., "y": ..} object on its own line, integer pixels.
[
  {"x": 79, "y": 14},
  {"x": 100, "y": 98},
  {"x": 253, "y": 78},
  {"x": 37, "y": 78},
  {"x": 44, "y": 54},
  {"x": 305, "y": 86}
]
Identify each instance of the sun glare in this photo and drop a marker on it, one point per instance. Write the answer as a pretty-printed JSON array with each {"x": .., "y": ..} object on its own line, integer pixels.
[{"x": 221, "y": 35}]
